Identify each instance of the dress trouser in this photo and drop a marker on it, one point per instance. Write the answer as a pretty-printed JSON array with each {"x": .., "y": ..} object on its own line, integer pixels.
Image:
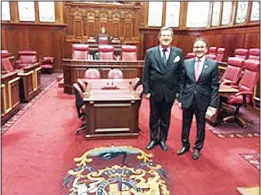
[
  {"x": 186, "y": 124},
  {"x": 159, "y": 118}
]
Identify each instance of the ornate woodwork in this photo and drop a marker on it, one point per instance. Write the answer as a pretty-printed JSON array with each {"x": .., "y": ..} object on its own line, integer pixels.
[{"x": 84, "y": 20}]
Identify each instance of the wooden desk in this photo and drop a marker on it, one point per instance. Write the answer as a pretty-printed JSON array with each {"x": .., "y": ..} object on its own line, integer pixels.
[
  {"x": 111, "y": 112},
  {"x": 75, "y": 69},
  {"x": 10, "y": 101},
  {"x": 226, "y": 90},
  {"x": 29, "y": 84}
]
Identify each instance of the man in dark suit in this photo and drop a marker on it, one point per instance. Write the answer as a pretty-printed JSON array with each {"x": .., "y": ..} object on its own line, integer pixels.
[
  {"x": 161, "y": 80},
  {"x": 199, "y": 94}
]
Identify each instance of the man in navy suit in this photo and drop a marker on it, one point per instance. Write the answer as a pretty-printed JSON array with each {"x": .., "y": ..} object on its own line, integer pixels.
[
  {"x": 199, "y": 94},
  {"x": 161, "y": 80}
]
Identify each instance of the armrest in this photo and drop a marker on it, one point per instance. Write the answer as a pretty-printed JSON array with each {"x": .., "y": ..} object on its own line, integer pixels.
[
  {"x": 18, "y": 62},
  {"x": 48, "y": 59},
  {"x": 244, "y": 93},
  {"x": 226, "y": 82}
]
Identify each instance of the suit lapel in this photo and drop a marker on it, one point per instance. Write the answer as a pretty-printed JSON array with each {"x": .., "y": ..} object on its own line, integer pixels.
[
  {"x": 204, "y": 69},
  {"x": 159, "y": 59},
  {"x": 171, "y": 57},
  {"x": 191, "y": 70}
]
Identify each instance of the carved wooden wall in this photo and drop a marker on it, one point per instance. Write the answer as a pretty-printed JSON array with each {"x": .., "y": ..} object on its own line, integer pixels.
[
  {"x": 85, "y": 20},
  {"x": 230, "y": 38}
]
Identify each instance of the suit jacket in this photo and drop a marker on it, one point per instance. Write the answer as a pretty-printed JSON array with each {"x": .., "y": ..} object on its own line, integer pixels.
[
  {"x": 159, "y": 79},
  {"x": 205, "y": 89}
]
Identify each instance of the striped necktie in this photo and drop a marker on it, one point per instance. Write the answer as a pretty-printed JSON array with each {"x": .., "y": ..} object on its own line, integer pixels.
[
  {"x": 164, "y": 55},
  {"x": 197, "y": 69}
]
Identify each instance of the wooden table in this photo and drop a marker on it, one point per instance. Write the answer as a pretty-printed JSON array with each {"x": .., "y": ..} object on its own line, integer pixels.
[{"x": 112, "y": 108}]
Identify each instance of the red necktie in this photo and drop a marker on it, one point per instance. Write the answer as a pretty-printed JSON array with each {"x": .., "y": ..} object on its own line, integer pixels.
[{"x": 197, "y": 70}]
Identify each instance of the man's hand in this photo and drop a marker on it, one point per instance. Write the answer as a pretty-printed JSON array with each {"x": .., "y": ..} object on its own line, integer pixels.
[
  {"x": 147, "y": 96},
  {"x": 211, "y": 112}
]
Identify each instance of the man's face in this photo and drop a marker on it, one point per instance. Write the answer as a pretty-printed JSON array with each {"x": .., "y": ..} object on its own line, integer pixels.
[
  {"x": 200, "y": 49},
  {"x": 165, "y": 38}
]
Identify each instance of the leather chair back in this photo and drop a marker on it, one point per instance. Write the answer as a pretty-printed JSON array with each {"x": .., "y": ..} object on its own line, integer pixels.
[
  {"x": 254, "y": 53},
  {"x": 211, "y": 56},
  {"x": 6, "y": 64},
  {"x": 103, "y": 40},
  {"x": 106, "y": 52},
  {"x": 115, "y": 74},
  {"x": 220, "y": 54},
  {"x": 190, "y": 55},
  {"x": 80, "y": 51},
  {"x": 26, "y": 58},
  {"x": 250, "y": 75},
  {"x": 241, "y": 53},
  {"x": 78, "y": 99},
  {"x": 233, "y": 70},
  {"x": 92, "y": 73},
  {"x": 129, "y": 52},
  {"x": 212, "y": 50}
]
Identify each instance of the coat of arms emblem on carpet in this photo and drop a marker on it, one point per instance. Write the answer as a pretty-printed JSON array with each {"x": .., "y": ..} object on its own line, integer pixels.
[{"x": 116, "y": 170}]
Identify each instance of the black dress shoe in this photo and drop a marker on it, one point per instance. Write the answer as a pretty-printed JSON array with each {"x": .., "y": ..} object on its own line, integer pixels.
[
  {"x": 163, "y": 146},
  {"x": 151, "y": 145},
  {"x": 196, "y": 154},
  {"x": 183, "y": 150}
]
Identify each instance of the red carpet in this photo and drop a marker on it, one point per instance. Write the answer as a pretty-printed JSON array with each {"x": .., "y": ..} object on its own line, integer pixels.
[{"x": 38, "y": 150}]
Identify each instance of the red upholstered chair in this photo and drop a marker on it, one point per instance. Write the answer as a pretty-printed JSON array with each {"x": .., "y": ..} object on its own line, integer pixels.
[
  {"x": 190, "y": 55},
  {"x": 103, "y": 40},
  {"x": 47, "y": 64},
  {"x": 80, "y": 51},
  {"x": 254, "y": 53},
  {"x": 246, "y": 90},
  {"x": 233, "y": 71},
  {"x": 4, "y": 51},
  {"x": 80, "y": 107},
  {"x": 106, "y": 52},
  {"x": 241, "y": 53},
  {"x": 220, "y": 54},
  {"x": 26, "y": 58},
  {"x": 115, "y": 74},
  {"x": 129, "y": 52},
  {"x": 6, "y": 64},
  {"x": 211, "y": 56},
  {"x": 212, "y": 50},
  {"x": 92, "y": 73}
]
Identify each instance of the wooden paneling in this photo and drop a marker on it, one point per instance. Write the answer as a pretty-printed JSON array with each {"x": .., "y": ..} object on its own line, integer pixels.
[
  {"x": 229, "y": 38},
  {"x": 47, "y": 40}
]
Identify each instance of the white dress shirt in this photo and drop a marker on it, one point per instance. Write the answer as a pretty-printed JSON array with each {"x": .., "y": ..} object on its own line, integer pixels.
[{"x": 167, "y": 53}]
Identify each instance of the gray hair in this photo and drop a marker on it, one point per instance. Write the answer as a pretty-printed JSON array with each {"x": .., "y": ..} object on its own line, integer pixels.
[{"x": 165, "y": 28}]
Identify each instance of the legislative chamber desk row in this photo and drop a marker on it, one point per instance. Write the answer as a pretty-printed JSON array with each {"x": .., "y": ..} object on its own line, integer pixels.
[
  {"x": 18, "y": 87},
  {"x": 112, "y": 108},
  {"x": 75, "y": 69}
]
